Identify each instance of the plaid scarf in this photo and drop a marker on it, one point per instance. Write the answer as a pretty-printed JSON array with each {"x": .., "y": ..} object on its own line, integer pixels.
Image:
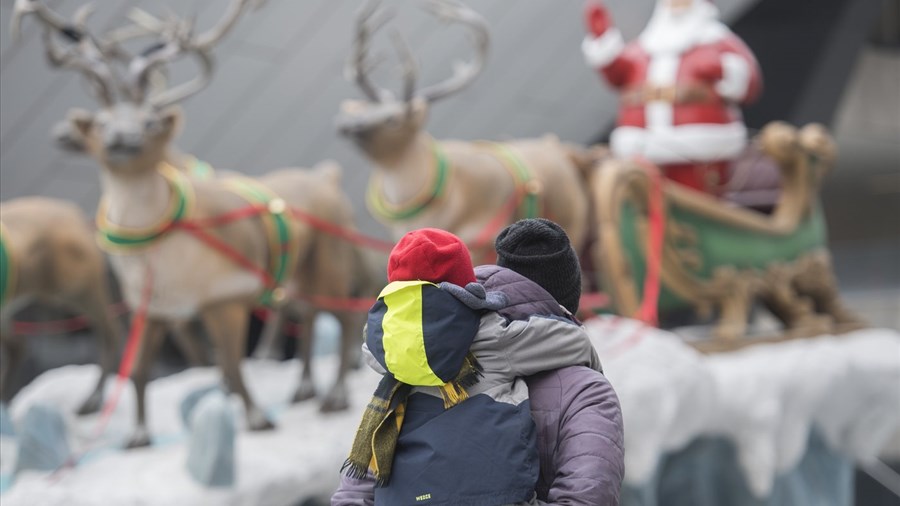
[{"x": 376, "y": 438}]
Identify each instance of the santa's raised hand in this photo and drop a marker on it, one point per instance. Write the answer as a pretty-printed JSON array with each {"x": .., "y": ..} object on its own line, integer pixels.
[
  {"x": 597, "y": 18},
  {"x": 604, "y": 42}
]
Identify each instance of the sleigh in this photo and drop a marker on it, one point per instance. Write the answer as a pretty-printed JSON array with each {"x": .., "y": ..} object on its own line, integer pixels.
[{"x": 717, "y": 259}]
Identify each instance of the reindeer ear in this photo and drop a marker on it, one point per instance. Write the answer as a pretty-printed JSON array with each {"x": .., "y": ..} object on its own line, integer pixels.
[
  {"x": 67, "y": 137},
  {"x": 170, "y": 119},
  {"x": 82, "y": 121},
  {"x": 418, "y": 107}
]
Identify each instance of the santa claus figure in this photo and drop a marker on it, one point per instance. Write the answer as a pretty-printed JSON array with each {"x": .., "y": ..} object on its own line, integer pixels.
[{"x": 681, "y": 83}]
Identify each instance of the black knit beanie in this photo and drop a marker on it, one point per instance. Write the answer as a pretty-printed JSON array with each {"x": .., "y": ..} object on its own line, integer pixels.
[{"x": 540, "y": 250}]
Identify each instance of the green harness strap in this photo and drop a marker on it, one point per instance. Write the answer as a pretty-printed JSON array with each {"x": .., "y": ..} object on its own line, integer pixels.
[
  {"x": 7, "y": 273},
  {"x": 530, "y": 206},
  {"x": 120, "y": 239},
  {"x": 282, "y": 246},
  {"x": 112, "y": 237},
  {"x": 390, "y": 212}
]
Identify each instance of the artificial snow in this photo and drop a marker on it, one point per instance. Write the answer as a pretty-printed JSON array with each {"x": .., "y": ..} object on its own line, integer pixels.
[
  {"x": 298, "y": 460},
  {"x": 765, "y": 399}
]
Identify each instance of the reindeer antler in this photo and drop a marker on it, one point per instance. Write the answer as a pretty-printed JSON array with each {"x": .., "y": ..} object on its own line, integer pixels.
[
  {"x": 211, "y": 37},
  {"x": 43, "y": 13},
  {"x": 179, "y": 40},
  {"x": 369, "y": 19},
  {"x": 85, "y": 55},
  {"x": 463, "y": 73},
  {"x": 410, "y": 69}
]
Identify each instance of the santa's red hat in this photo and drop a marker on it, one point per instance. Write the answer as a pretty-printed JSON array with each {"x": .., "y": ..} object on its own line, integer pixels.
[{"x": 431, "y": 254}]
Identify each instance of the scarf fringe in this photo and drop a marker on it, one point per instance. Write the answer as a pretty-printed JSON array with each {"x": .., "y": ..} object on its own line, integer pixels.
[
  {"x": 355, "y": 470},
  {"x": 456, "y": 391}
]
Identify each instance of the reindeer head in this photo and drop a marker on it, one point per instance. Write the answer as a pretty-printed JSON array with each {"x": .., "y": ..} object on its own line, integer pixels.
[
  {"x": 383, "y": 124},
  {"x": 135, "y": 123}
]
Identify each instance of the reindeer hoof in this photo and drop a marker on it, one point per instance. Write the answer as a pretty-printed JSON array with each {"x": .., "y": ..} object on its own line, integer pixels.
[
  {"x": 139, "y": 439},
  {"x": 336, "y": 401},
  {"x": 262, "y": 424},
  {"x": 90, "y": 405},
  {"x": 304, "y": 392},
  {"x": 257, "y": 421},
  {"x": 333, "y": 406}
]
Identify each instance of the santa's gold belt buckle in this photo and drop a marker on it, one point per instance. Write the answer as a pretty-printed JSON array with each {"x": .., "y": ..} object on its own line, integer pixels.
[{"x": 660, "y": 93}]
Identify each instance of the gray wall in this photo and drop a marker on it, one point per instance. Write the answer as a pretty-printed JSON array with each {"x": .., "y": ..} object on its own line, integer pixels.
[{"x": 279, "y": 83}]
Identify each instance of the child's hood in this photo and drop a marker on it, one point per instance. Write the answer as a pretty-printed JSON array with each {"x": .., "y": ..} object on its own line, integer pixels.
[{"x": 421, "y": 332}]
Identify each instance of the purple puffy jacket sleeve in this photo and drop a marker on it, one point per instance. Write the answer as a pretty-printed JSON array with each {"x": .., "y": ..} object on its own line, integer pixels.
[
  {"x": 581, "y": 439},
  {"x": 354, "y": 492}
]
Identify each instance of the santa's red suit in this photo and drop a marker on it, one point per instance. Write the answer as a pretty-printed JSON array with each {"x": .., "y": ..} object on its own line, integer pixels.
[{"x": 681, "y": 83}]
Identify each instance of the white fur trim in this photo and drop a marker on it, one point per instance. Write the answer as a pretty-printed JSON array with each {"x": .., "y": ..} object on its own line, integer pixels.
[
  {"x": 601, "y": 51},
  {"x": 671, "y": 32},
  {"x": 659, "y": 114},
  {"x": 736, "y": 75},
  {"x": 680, "y": 144},
  {"x": 662, "y": 71}
]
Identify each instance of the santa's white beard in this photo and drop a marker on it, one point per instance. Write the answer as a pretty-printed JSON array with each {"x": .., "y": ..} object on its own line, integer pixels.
[{"x": 671, "y": 32}]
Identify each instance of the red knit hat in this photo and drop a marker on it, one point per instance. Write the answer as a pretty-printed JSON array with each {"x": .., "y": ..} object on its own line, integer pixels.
[{"x": 431, "y": 254}]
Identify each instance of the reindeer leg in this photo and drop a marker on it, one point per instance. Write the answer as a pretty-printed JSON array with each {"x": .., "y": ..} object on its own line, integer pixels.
[
  {"x": 226, "y": 324},
  {"x": 189, "y": 344},
  {"x": 146, "y": 355},
  {"x": 271, "y": 334},
  {"x": 13, "y": 348},
  {"x": 306, "y": 389},
  {"x": 335, "y": 277},
  {"x": 351, "y": 327},
  {"x": 96, "y": 310}
]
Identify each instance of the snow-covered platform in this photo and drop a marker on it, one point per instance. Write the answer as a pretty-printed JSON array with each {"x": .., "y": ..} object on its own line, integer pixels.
[
  {"x": 298, "y": 460},
  {"x": 765, "y": 400}
]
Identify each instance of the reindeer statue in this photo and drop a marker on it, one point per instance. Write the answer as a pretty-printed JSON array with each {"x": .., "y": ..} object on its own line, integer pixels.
[
  {"x": 213, "y": 248},
  {"x": 48, "y": 256},
  {"x": 473, "y": 189}
]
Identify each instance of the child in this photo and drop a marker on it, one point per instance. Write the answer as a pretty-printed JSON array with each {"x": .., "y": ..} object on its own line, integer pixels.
[{"x": 450, "y": 421}]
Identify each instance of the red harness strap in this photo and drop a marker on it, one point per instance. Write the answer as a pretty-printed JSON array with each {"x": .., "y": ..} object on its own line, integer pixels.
[
  {"x": 225, "y": 218},
  {"x": 648, "y": 311},
  {"x": 339, "y": 303},
  {"x": 494, "y": 226},
  {"x": 351, "y": 236},
  {"x": 135, "y": 335},
  {"x": 196, "y": 228},
  {"x": 228, "y": 251},
  {"x": 30, "y": 328}
]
